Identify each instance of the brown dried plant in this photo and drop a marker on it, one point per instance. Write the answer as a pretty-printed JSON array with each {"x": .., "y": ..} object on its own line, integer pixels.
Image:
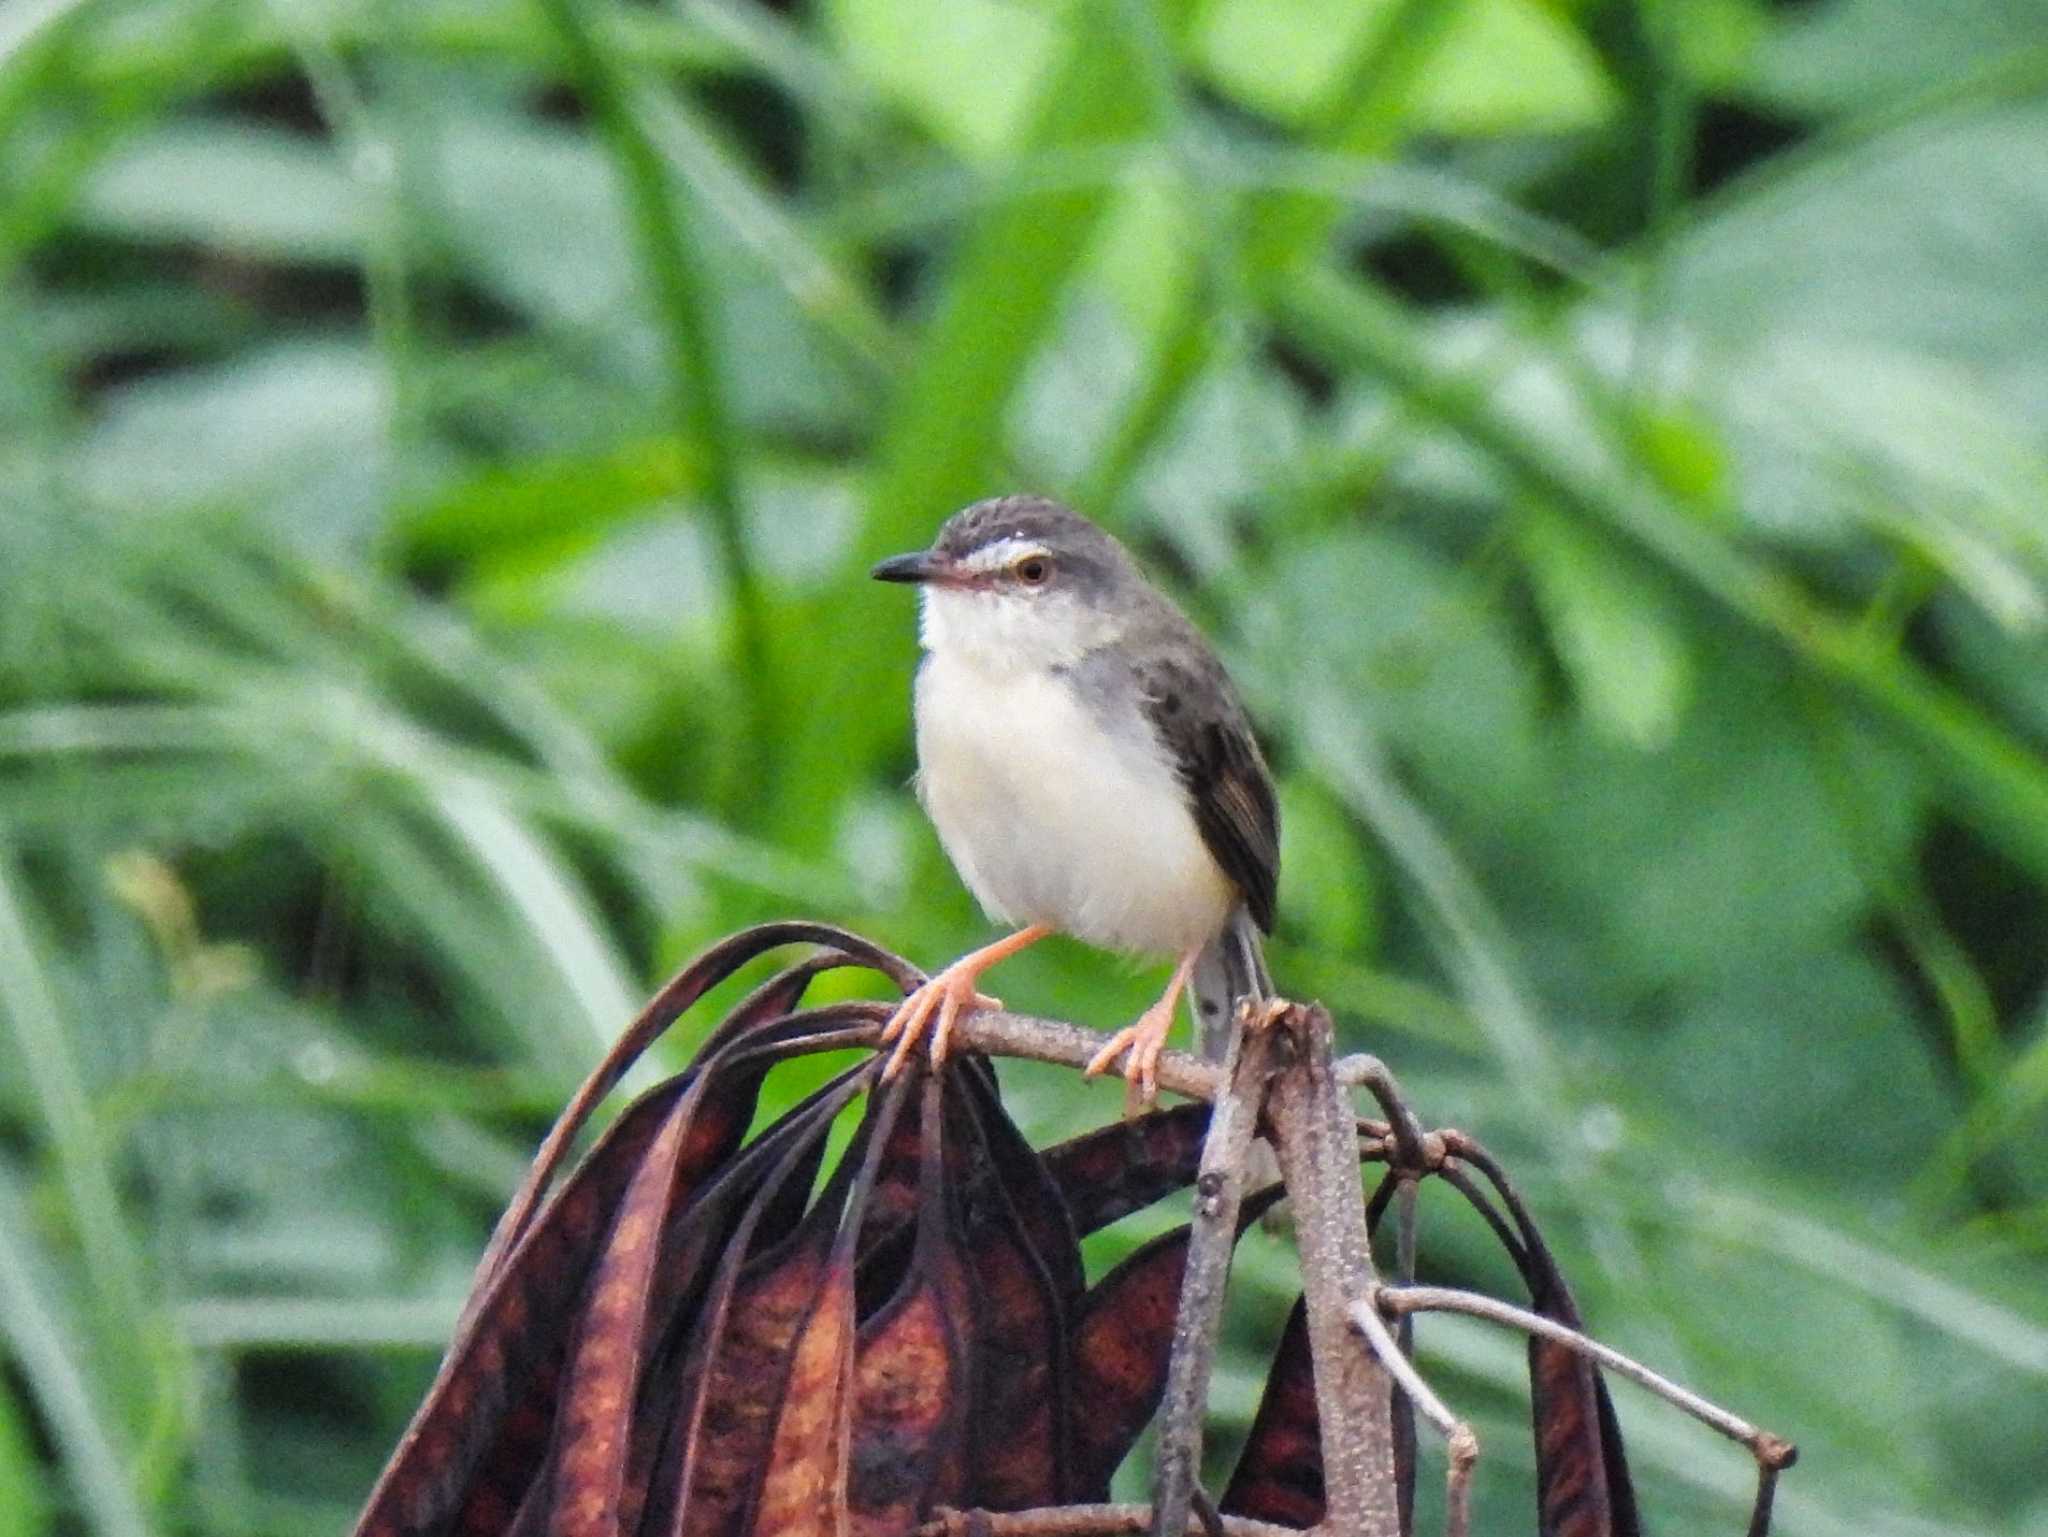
[{"x": 699, "y": 1331}]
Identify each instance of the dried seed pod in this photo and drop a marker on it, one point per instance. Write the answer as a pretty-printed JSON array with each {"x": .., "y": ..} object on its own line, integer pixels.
[{"x": 692, "y": 1337}]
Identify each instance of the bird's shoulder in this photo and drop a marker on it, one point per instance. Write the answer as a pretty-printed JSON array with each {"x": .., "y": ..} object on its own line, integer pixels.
[{"x": 1164, "y": 670}]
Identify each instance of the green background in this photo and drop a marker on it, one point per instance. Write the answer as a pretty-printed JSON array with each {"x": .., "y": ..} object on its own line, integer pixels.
[{"x": 440, "y": 445}]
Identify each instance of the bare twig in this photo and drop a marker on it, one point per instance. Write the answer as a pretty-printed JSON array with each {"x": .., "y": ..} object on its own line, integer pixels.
[
  {"x": 1769, "y": 1450},
  {"x": 1410, "y": 1144},
  {"x": 1766, "y": 1488},
  {"x": 1460, "y": 1146},
  {"x": 1351, "y": 1071},
  {"x": 1382, "y": 1198},
  {"x": 1074, "y": 1521},
  {"x": 1405, "y": 1447},
  {"x": 1000, "y": 1033},
  {"x": 1463, "y": 1444},
  {"x": 1219, "y": 1189},
  {"x": 1316, "y": 1137}
]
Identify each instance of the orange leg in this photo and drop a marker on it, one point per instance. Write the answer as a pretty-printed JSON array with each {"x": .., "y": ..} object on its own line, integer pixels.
[
  {"x": 935, "y": 1005},
  {"x": 1145, "y": 1040}
]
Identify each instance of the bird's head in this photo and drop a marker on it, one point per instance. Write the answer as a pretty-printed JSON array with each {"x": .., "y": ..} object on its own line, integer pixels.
[{"x": 1019, "y": 582}]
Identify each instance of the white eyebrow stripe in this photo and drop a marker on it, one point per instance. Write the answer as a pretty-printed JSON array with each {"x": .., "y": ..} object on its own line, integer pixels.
[{"x": 1003, "y": 554}]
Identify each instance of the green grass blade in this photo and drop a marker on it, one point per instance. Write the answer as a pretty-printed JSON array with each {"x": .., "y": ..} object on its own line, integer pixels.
[
  {"x": 52, "y": 1360},
  {"x": 668, "y": 250},
  {"x": 43, "y": 1037}
]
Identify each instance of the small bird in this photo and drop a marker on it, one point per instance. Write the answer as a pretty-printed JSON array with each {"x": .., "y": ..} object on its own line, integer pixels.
[{"x": 1090, "y": 771}]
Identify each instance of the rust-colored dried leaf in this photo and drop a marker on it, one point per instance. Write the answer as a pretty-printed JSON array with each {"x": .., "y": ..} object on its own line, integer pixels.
[
  {"x": 1043, "y": 1216},
  {"x": 1022, "y": 1299},
  {"x": 709, "y": 969},
  {"x": 1571, "y": 1474},
  {"x": 1122, "y": 1336},
  {"x": 604, "y": 1369},
  {"x": 494, "y": 1396},
  {"x": 504, "y": 1480},
  {"x": 470, "y": 1455},
  {"x": 1119, "y": 1356},
  {"x": 911, "y": 1363},
  {"x": 764, "y": 1187},
  {"x": 531, "y": 1518},
  {"x": 1583, "y": 1487},
  {"x": 1108, "y": 1174},
  {"x": 746, "y": 1328},
  {"x": 803, "y": 1485},
  {"x": 904, "y": 1385},
  {"x": 888, "y": 1220},
  {"x": 743, "y": 1383},
  {"x": 803, "y": 1489},
  {"x": 1279, "y": 1475}
]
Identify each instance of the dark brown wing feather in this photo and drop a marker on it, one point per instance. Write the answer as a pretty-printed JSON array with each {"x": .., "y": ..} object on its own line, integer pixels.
[{"x": 1194, "y": 708}]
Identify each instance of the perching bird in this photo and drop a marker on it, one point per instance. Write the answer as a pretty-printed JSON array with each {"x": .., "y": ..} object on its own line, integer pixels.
[{"x": 1089, "y": 769}]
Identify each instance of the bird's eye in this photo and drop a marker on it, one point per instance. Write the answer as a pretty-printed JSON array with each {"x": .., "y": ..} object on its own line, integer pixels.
[{"x": 1033, "y": 570}]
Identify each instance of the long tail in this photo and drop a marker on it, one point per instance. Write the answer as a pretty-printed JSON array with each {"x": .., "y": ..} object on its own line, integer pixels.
[{"x": 1231, "y": 969}]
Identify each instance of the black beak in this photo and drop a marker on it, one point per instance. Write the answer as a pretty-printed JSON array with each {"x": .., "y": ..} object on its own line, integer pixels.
[{"x": 923, "y": 566}]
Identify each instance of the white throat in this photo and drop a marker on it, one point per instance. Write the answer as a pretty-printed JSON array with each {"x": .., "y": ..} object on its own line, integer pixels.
[{"x": 1001, "y": 635}]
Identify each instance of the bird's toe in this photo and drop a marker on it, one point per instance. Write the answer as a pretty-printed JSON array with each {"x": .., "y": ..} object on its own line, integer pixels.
[
  {"x": 1105, "y": 1059},
  {"x": 907, "y": 1028},
  {"x": 1142, "y": 1075}
]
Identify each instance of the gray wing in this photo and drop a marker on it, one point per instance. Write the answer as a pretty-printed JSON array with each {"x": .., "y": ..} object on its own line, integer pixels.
[
  {"x": 1167, "y": 675},
  {"x": 1194, "y": 709}
]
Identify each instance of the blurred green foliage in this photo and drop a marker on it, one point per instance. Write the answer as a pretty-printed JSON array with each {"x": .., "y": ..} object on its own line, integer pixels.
[{"x": 440, "y": 445}]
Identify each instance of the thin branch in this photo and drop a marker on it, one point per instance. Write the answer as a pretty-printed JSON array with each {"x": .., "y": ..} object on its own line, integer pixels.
[
  {"x": 1029, "y": 1038},
  {"x": 1219, "y": 1190},
  {"x": 1075, "y": 1521},
  {"x": 1000, "y": 1033},
  {"x": 1316, "y": 1136},
  {"x": 1404, "y": 1337},
  {"x": 1463, "y": 1444},
  {"x": 1766, "y": 1490},
  {"x": 1769, "y": 1450},
  {"x": 1411, "y": 1144},
  {"x": 1382, "y": 1197},
  {"x": 1458, "y": 1145},
  {"x": 1033, "y": 1038}
]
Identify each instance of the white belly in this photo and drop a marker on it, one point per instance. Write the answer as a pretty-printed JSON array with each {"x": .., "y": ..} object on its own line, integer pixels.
[{"x": 1050, "y": 819}]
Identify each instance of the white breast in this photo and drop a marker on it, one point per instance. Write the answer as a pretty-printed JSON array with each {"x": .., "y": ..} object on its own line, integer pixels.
[{"x": 1051, "y": 818}]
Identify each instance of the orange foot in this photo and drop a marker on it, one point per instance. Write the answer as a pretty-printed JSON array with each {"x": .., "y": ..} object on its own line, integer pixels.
[
  {"x": 1144, "y": 1041},
  {"x": 934, "y": 1006}
]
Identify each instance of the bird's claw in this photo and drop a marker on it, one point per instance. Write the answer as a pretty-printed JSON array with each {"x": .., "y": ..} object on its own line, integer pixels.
[
  {"x": 1144, "y": 1041},
  {"x": 946, "y": 995}
]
